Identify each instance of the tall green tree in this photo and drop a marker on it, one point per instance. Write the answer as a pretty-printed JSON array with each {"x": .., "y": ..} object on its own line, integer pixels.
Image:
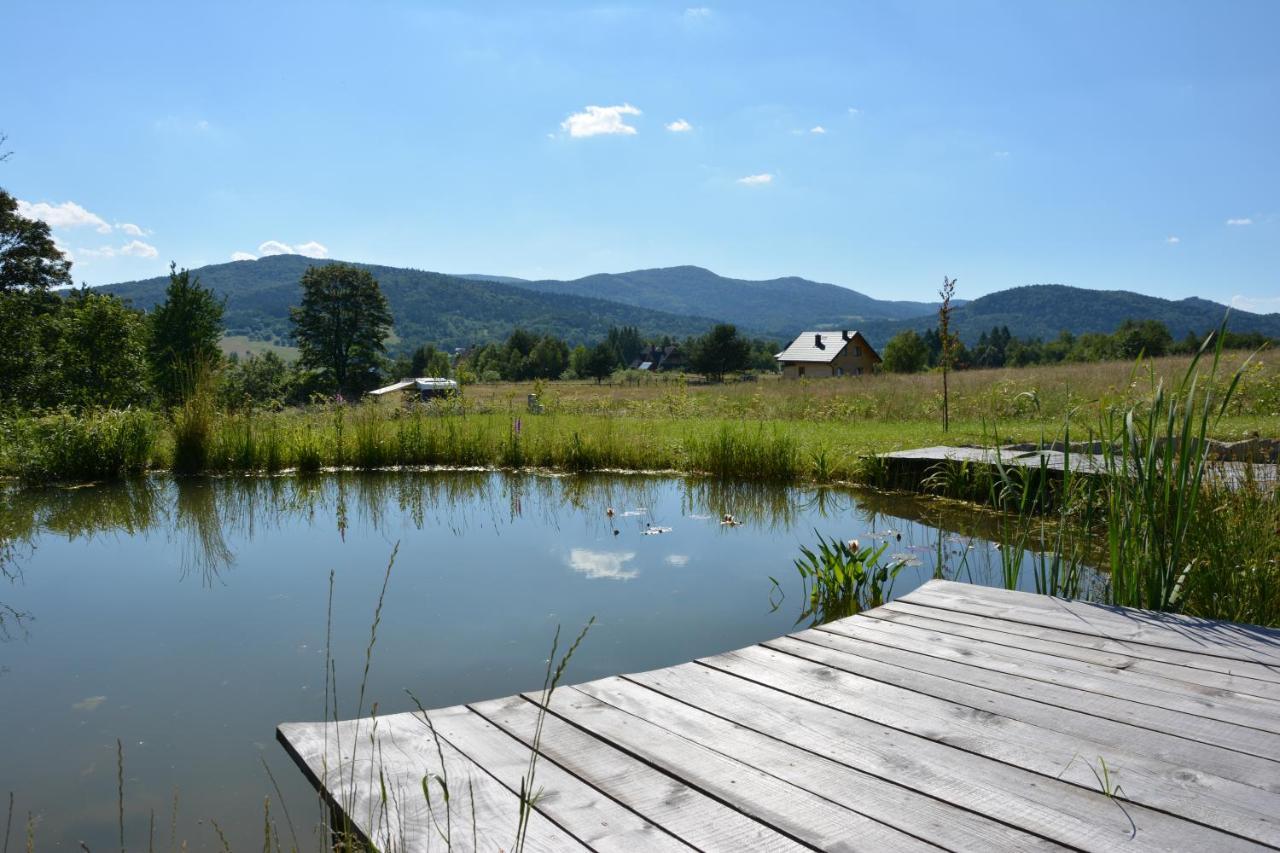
[
  {"x": 720, "y": 351},
  {"x": 184, "y": 334},
  {"x": 429, "y": 361},
  {"x": 30, "y": 266},
  {"x": 549, "y": 358},
  {"x": 341, "y": 326},
  {"x": 100, "y": 351},
  {"x": 906, "y": 352},
  {"x": 602, "y": 359}
]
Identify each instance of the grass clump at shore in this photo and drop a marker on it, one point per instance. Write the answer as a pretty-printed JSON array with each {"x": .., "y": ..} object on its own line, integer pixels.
[{"x": 95, "y": 445}]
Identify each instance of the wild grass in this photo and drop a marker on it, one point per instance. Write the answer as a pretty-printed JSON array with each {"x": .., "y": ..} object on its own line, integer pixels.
[
  {"x": 96, "y": 445},
  {"x": 770, "y": 430},
  {"x": 1182, "y": 532}
]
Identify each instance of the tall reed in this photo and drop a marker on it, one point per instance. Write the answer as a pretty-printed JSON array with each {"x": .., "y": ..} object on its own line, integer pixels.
[
  {"x": 1156, "y": 458},
  {"x": 93, "y": 445}
]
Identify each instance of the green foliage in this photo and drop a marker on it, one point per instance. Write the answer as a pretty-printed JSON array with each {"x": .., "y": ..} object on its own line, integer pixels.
[
  {"x": 905, "y": 353},
  {"x": 30, "y": 265},
  {"x": 842, "y": 578},
  {"x": 450, "y": 311},
  {"x": 29, "y": 258},
  {"x": 91, "y": 445},
  {"x": 719, "y": 352},
  {"x": 601, "y": 362},
  {"x": 429, "y": 361},
  {"x": 746, "y": 453},
  {"x": 261, "y": 380},
  {"x": 341, "y": 326},
  {"x": 1157, "y": 460},
  {"x": 100, "y": 352},
  {"x": 193, "y": 423},
  {"x": 184, "y": 332}
]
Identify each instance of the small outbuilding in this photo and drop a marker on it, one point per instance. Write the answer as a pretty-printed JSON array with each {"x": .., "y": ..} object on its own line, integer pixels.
[
  {"x": 823, "y": 354},
  {"x": 425, "y": 387}
]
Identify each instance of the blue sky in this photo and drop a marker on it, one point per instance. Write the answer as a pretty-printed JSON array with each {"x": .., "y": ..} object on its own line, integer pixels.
[{"x": 875, "y": 145}]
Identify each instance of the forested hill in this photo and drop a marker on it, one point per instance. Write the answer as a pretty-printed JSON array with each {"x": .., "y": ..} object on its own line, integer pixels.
[
  {"x": 1045, "y": 310},
  {"x": 453, "y": 311},
  {"x": 446, "y": 310},
  {"x": 779, "y": 307}
]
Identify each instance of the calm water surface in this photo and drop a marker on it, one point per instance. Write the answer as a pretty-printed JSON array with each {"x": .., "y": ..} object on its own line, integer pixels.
[{"x": 188, "y": 619}]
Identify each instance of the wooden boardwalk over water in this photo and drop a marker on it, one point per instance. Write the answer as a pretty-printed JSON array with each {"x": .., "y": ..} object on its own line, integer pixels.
[
  {"x": 907, "y": 469},
  {"x": 958, "y": 717}
]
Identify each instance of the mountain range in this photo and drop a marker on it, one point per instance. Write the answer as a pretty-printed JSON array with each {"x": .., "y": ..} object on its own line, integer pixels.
[{"x": 458, "y": 310}]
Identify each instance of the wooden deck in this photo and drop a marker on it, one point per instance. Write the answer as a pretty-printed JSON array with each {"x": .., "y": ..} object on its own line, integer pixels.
[
  {"x": 958, "y": 717},
  {"x": 907, "y": 469}
]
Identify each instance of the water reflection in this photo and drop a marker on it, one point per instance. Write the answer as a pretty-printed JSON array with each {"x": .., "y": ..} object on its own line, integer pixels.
[
  {"x": 190, "y": 617},
  {"x": 203, "y": 516}
]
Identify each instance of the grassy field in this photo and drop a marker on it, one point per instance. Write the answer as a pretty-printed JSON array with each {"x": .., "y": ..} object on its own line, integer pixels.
[
  {"x": 1018, "y": 399},
  {"x": 768, "y": 429},
  {"x": 244, "y": 347}
]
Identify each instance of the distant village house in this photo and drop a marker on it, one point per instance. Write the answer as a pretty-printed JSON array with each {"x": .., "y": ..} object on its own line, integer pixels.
[
  {"x": 655, "y": 358},
  {"x": 823, "y": 354}
]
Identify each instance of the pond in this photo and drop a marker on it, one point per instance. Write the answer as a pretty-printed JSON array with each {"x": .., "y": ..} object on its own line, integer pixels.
[{"x": 186, "y": 619}]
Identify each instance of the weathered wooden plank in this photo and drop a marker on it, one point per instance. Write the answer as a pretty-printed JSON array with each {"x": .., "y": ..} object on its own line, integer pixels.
[
  {"x": 1172, "y": 665},
  {"x": 596, "y": 820},
  {"x": 1048, "y": 807},
  {"x": 930, "y": 819},
  {"x": 937, "y": 679},
  {"x": 808, "y": 818},
  {"x": 1016, "y": 679},
  {"x": 395, "y": 754},
  {"x": 686, "y": 812},
  {"x": 1169, "y": 785},
  {"x": 1218, "y": 639},
  {"x": 1211, "y": 706}
]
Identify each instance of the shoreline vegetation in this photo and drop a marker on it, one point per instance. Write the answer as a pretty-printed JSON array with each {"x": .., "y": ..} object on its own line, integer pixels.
[
  {"x": 770, "y": 430},
  {"x": 1176, "y": 537}
]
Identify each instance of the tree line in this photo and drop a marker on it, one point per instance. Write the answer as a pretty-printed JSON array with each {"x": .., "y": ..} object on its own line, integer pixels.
[
  {"x": 62, "y": 346},
  {"x": 912, "y": 352}
]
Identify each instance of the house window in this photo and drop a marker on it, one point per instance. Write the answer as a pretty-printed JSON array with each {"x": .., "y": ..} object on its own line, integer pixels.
[
  {"x": 857, "y": 371},
  {"x": 801, "y": 370},
  {"x": 839, "y": 371},
  {"x": 857, "y": 352}
]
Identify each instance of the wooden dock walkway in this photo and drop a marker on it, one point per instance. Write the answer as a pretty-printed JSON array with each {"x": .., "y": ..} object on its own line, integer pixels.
[
  {"x": 957, "y": 717},
  {"x": 908, "y": 469}
]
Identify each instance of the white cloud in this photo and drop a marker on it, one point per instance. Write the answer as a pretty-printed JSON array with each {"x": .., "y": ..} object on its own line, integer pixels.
[
  {"x": 131, "y": 229},
  {"x": 311, "y": 250},
  {"x": 100, "y": 252},
  {"x": 854, "y": 111},
  {"x": 1244, "y": 220},
  {"x": 65, "y": 215},
  {"x": 1000, "y": 155},
  {"x": 138, "y": 249},
  {"x": 676, "y": 560},
  {"x": 695, "y": 13},
  {"x": 679, "y": 126},
  {"x": 274, "y": 247},
  {"x": 602, "y": 564},
  {"x": 1172, "y": 240},
  {"x": 1257, "y": 304},
  {"x": 596, "y": 121},
  {"x": 756, "y": 180},
  {"x": 243, "y": 256},
  {"x": 817, "y": 129}
]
